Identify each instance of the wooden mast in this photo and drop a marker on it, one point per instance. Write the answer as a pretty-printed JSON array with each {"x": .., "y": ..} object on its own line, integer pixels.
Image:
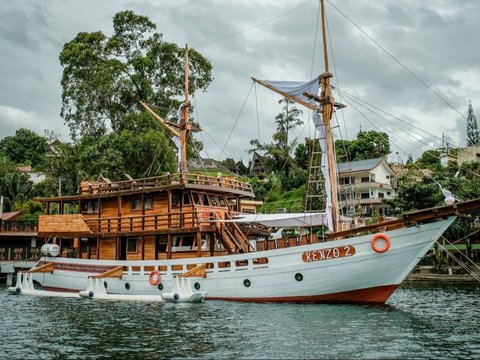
[
  {"x": 184, "y": 126},
  {"x": 327, "y": 113},
  {"x": 326, "y": 108}
]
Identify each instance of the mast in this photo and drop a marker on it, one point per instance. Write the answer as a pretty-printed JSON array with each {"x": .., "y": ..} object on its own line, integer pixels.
[
  {"x": 184, "y": 124},
  {"x": 327, "y": 113},
  {"x": 326, "y": 104}
]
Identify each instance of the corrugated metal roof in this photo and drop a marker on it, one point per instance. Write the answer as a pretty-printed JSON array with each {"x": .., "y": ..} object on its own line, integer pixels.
[{"x": 361, "y": 165}]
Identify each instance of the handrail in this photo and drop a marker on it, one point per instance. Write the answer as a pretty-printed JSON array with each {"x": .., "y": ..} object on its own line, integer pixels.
[
  {"x": 166, "y": 180},
  {"x": 18, "y": 226},
  {"x": 143, "y": 222}
]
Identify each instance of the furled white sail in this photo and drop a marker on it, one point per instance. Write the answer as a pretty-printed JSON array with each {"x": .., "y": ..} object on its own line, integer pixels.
[
  {"x": 284, "y": 220},
  {"x": 178, "y": 144},
  {"x": 297, "y": 89}
]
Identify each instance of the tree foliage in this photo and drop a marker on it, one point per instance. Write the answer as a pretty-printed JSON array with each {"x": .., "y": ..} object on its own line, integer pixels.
[
  {"x": 430, "y": 159},
  {"x": 279, "y": 151},
  {"x": 368, "y": 145},
  {"x": 104, "y": 78},
  {"x": 15, "y": 188},
  {"x": 25, "y": 147},
  {"x": 473, "y": 134}
]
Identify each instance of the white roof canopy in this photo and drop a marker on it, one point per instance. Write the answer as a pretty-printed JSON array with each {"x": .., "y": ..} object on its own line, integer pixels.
[{"x": 284, "y": 220}]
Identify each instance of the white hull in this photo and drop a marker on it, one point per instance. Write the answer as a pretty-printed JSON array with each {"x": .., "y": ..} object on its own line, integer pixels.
[{"x": 366, "y": 276}]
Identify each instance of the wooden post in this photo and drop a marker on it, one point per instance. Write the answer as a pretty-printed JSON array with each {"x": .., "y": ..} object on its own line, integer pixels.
[
  {"x": 143, "y": 247},
  {"x": 119, "y": 213},
  {"x": 98, "y": 248},
  {"x": 185, "y": 126},
  {"x": 169, "y": 246},
  {"x": 199, "y": 243}
]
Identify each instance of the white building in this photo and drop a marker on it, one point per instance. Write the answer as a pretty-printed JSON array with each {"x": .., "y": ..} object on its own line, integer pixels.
[{"x": 363, "y": 185}]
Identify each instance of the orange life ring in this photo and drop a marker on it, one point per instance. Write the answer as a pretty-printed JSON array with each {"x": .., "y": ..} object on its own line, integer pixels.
[
  {"x": 154, "y": 277},
  {"x": 383, "y": 237}
]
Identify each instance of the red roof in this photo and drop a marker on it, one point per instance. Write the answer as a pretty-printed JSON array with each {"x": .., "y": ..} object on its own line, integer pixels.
[
  {"x": 24, "y": 168},
  {"x": 6, "y": 216}
]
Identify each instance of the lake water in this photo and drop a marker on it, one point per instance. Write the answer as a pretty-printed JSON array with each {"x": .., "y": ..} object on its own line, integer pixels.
[{"x": 419, "y": 321}]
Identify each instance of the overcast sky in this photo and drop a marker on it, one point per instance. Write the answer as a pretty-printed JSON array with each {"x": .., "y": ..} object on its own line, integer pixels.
[{"x": 437, "y": 40}]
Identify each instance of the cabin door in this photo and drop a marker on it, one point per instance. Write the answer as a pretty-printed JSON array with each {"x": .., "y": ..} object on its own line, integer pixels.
[{"x": 123, "y": 248}]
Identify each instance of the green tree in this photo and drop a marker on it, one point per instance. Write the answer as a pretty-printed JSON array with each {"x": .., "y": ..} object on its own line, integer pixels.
[
  {"x": 473, "y": 134},
  {"x": 105, "y": 77},
  {"x": 15, "y": 188},
  {"x": 25, "y": 147},
  {"x": 430, "y": 159},
  {"x": 281, "y": 148},
  {"x": 415, "y": 196},
  {"x": 368, "y": 145}
]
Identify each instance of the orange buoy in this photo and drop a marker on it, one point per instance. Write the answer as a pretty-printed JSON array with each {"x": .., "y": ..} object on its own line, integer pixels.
[
  {"x": 380, "y": 236},
  {"x": 154, "y": 277}
]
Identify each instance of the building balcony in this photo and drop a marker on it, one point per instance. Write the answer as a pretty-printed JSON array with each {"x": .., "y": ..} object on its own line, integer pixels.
[{"x": 366, "y": 185}]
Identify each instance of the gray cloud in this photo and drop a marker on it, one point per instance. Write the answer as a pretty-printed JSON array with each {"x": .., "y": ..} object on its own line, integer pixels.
[{"x": 435, "y": 39}]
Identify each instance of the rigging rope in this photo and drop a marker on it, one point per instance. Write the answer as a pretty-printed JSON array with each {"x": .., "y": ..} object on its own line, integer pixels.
[
  {"x": 408, "y": 132},
  {"x": 397, "y": 61},
  {"x": 236, "y": 121},
  {"x": 462, "y": 265},
  {"x": 228, "y": 36}
]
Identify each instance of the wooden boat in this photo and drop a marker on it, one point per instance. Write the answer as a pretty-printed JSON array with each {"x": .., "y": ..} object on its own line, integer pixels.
[{"x": 140, "y": 236}]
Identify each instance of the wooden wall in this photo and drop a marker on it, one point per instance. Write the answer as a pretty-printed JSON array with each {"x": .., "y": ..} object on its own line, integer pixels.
[{"x": 108, "y": 249}]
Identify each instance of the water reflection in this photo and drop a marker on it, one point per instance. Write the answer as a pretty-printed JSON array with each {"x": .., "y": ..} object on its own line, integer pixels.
[{"x": 418, "y": 321}]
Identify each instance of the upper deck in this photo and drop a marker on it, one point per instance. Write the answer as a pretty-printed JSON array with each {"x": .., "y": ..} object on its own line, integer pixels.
[{"x": 106, "y": 188}]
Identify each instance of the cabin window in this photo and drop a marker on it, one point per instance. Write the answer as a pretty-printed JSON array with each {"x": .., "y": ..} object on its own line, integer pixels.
[
  {"x": 148, "y": 202},
  {"x": 364, "y": 195},
  {"x": 372, "y": 177},
  {"x": 136, "y": 204},
  {"x": 222, "y": 202},
  {"x": 381, "y": 195},
  {"x": 162, "y": 244},
  {"x": 205, "y": 200},
  {"x": 186, "y": 199},
  {"x": 389, "y": 193},
  {"x": 183, "y": 242},
  {"x": 176, "y": 200},
  {"x": 196, "y": 198},
  {"x": 213, "y": 200},
  {"x": 90, "y": 207},
  {"x": 365, "y": 179},
  {"x": 132, "y": 245}
]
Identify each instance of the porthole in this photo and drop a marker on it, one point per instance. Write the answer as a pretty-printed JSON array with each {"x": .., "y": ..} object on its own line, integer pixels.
[
  {"x": 247, "y": 283},
  {"x": 298, "y": 277},
  {"x": 196, "y": 286},
  {"x": 127, "y": 286},
  {"x": 160, "y": 286},
  {"x": 105, "y": 284}
]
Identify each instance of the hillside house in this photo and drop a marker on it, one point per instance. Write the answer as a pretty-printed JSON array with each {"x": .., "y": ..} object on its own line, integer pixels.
[{"x": 363, "y": 186}]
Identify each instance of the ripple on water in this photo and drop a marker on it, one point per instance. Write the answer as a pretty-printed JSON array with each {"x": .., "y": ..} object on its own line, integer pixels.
[{"x": 419, "y": 321}]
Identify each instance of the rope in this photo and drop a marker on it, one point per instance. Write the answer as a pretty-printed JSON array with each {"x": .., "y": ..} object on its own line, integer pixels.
[
  {"x": 408, "y": 132},
  {"x": 466, "y": 257},
  {"x": 397, "y": 61},
  {"x": 462, "y": 265},
  {"x": 228, "y": 36},
  {"x": 236, "y": 121}
]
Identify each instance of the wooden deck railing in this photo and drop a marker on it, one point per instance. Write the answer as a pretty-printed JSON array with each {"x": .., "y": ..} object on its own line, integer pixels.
[
  {"x": 18, "y": 226},
  {"x": 164, "y": 181},
  {"x": 19, "y": 253},
  {"x": 141, "y": 223}
]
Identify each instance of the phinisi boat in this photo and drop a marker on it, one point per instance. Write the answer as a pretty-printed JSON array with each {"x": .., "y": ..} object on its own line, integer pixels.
[{"x": 140, "y": 236}]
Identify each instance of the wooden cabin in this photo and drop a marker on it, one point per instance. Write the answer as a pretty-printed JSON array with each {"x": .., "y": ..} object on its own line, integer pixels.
[{"x": 166, "y": 217}]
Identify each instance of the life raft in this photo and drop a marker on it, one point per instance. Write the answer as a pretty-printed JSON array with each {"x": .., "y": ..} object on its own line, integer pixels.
[
  {"x": 154, "y": 277},
  {"x": 386, "y": 240}
]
